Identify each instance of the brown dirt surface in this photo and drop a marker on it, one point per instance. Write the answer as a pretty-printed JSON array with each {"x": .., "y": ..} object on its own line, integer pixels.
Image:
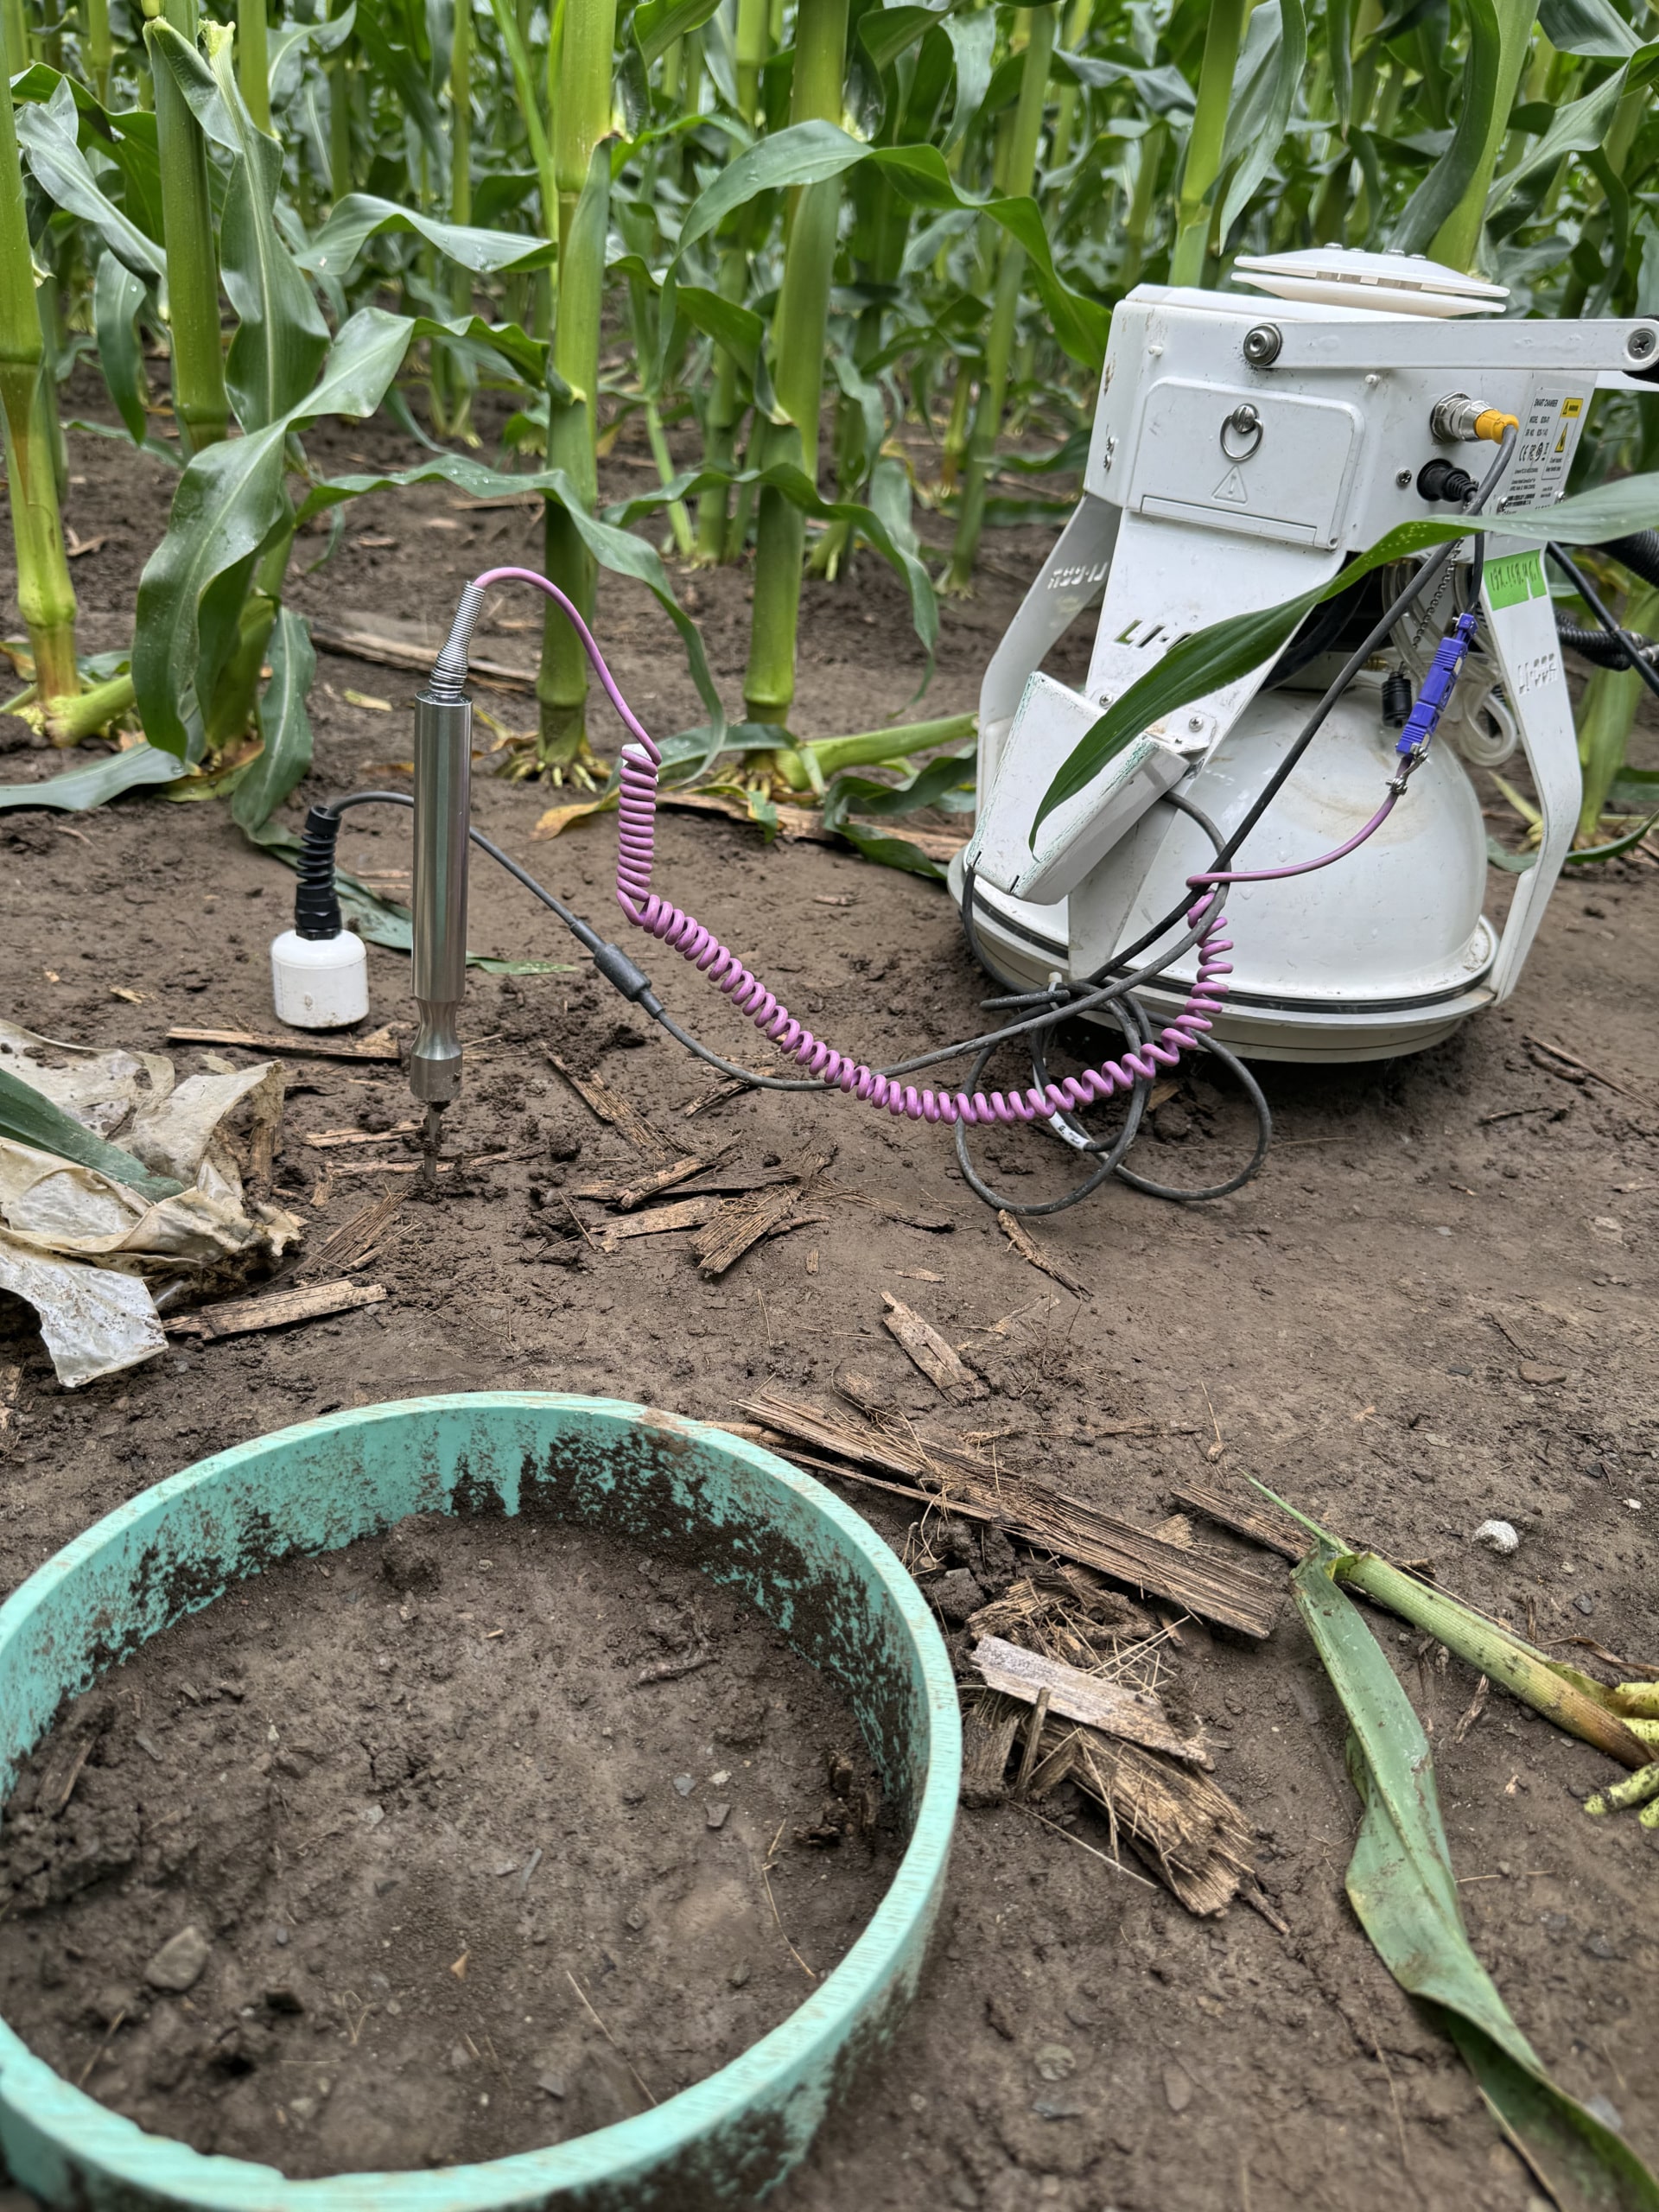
[
  {"x": 349, "y": 1850},
  {"x": 1372, "y": 1319}
]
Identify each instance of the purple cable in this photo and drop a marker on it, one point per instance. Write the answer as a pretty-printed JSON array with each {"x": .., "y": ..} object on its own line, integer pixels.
[{"x": 636, "y": 842}]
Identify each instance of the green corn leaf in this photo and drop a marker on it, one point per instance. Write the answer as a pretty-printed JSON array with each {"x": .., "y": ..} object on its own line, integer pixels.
[
  {"x": 973, "y": 45},
  {"x": 738, "y": 330},
  {"x": 785, "y": 477},
  {"x": 1578, "y": 127},
  {"x": 809, "y": 153},
  {"x": 1588, "y": 27},
  {"x": 502, "y": 346},
  {"x": 284, "y": 725},
  {"x": 927, "y": 787},
  {"x": 1634, "y": 791},
  {"x": 1339, "y": 47},
  {"x": 658, "y": 24},
  {"x": 1226, "y": 651},
  {"x": 48, "y": 135},
  {"x": 281, "y": 336},
  {"x": 360, "y": 216},
  {"x": 230, "y": 499},
  {"x": 285, "y": 55},
  {"x": 78, "y": 791},
  {"x": 885, "y": 33},
  {"x": 1443, "y": 187},
  {"x": 126, "y": 136},
  {"x": 530, "y": 111},
  {"x": 28, "y": 1117},
  {"x": 396, "y": 62},
  {"x": 1401, "y": 1886},
  {"x": 500, "y": 193},
  {"x": 1281, "y": 80},
  {"x": 1511, "y": 863},
  {"x": 1162, "y": 91},
  {"x": 616, "y": 550},
  {"x": 1587, "y": 855},
  {"x": 117, "y": 295}
]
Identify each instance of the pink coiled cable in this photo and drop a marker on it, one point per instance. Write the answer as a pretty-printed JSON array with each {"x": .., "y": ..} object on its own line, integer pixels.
[{"x": 636, "y": 844}]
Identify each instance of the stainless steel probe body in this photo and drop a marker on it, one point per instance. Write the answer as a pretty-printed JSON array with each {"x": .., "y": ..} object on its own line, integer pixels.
[{"x": 444, "y": 766}]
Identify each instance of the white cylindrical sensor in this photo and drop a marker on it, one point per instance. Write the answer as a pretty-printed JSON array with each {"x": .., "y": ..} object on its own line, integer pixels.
[{"x": 319, "y": 982}]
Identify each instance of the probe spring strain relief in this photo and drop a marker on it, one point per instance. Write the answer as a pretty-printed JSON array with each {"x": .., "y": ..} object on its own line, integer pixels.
[
  {"x": 317, "y": 903},
  {"x": 447, "y": 683}
]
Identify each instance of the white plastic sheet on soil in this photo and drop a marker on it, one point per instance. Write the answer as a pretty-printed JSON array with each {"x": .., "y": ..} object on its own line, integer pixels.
[{"x": 82, "y": 1249}]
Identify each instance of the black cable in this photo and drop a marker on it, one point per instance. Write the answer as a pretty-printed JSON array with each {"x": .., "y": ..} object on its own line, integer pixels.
[
  {"x": 1588, "y": 593},
  {"x": 1606, "y": 652},
  {"x": 584, "y": 932},
  {"x": 1110, "y": 1160},
  {"x": 1258, "y": 1099},
  {"x": 1137, "y": 1028}
]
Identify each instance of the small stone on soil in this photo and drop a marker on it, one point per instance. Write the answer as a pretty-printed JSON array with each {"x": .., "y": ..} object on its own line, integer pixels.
[{"x": 179, "y": 1964}]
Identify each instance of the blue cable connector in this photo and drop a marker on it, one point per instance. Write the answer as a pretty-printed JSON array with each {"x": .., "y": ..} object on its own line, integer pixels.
[{"x": 1438, "y": 685}]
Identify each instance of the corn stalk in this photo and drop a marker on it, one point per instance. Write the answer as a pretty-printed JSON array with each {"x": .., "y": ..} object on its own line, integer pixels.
[
  {"x": 581, "y": 123},
  {"x": 725, "y": 405},
  {"x": 199, "y": 399},
  {"x": 1195, "y": 211},
  {"x": 44, "y": 592},
  {"x": 799, "y": 328},
  {"x": 1019, "y": 176}
]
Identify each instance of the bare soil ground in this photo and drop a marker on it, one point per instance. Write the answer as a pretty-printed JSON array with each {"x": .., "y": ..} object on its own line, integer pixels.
[{"x": 1370, "y": 1322}]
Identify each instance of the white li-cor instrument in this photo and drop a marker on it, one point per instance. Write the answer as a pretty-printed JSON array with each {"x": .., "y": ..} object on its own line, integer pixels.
[{"x": 1243, "y": 450}]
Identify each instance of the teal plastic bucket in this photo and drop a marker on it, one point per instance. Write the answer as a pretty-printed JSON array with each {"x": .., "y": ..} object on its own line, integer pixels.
[{"x": 810, "y": 1564}]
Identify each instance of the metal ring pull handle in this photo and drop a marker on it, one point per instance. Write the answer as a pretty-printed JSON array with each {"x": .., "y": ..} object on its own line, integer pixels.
[{"x": 1243, "y": 424}]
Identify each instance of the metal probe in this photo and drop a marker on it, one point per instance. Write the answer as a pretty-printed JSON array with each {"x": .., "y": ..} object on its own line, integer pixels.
[{"x": 443, "y": 765}]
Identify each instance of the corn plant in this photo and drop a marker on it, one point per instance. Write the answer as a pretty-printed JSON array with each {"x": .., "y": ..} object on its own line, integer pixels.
[
  {"x": 44, "y": 591},
  {"x": 835, "y": 252}
]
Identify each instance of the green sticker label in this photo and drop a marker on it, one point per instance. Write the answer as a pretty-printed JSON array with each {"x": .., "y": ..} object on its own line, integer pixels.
[{"x": 1516, "y": 577}]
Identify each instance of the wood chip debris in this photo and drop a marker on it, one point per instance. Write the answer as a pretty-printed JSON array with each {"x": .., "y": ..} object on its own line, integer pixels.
[
  {"x": 241, "y": 1317},
  {"x": 1595, "y": 1075},
  {"x": 928, "y": 1350},
  {"x": 620, "y": 1112},
  {"x": 349, "y": 1245},
  {"x": 1028, "y": 1249},
  {"x": 741, "y": 1222},
  {"x": 313, "y": 1044},
  {"x": 1202, "y": 1583},
  {"x": 1275, "y": 1531},
  {"x": 1115, "y": 1707},
  {"x": 331, "y": 1140},
  {"x": 655, "y": 1221},
  {"x": 628, "y": 1197},
  {"x": 1182, "y": 1825},
  {"x": 414, "y": 1166}
]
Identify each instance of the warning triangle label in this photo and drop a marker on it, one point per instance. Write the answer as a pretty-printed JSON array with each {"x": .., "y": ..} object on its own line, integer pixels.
[{"x": 1232, "y": 489}]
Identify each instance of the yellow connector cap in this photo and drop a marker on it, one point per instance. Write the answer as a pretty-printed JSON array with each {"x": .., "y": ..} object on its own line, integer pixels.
[{"x": 1490, "y": 424}]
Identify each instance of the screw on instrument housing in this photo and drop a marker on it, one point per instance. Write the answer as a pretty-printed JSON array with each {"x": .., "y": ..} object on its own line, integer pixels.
[
  {"x": 1403, "y": 478},
  {"x": 1263, "y": 345},
  {"x": 1640, "y": 344}
]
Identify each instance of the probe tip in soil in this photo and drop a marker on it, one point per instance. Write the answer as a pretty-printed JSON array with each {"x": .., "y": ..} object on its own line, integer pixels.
[{"x": 432, "y": 1131}]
